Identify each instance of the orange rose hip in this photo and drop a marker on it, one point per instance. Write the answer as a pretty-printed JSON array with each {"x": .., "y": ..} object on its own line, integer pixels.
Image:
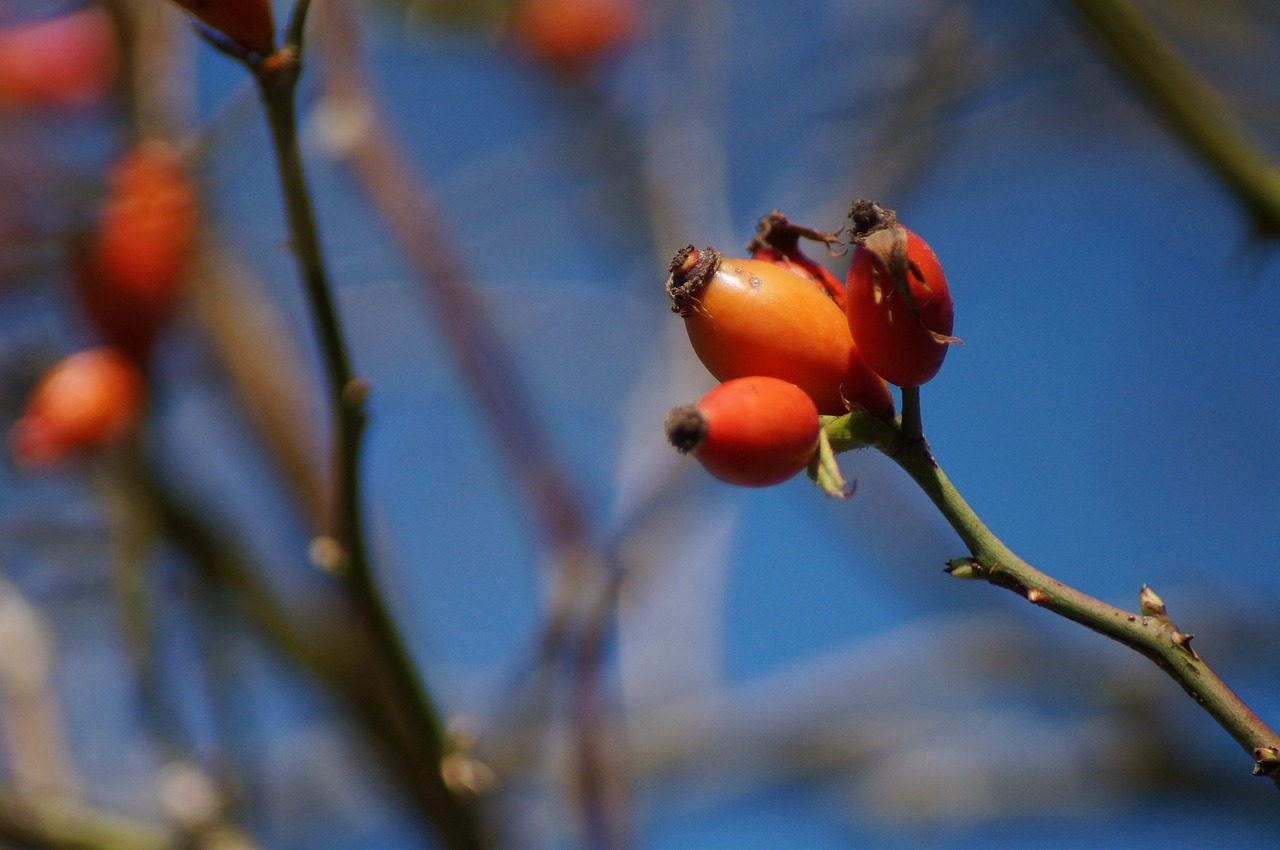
[{"x": 751, "y": 317}]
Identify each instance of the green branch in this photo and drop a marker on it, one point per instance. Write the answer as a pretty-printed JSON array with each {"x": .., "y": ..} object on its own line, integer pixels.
[
  {"x": 344, "y": 550},
  {"x": 1149, "y": 631},
  {"x": 277, "y": 80},
  {"x": 1193, "y": 110}
]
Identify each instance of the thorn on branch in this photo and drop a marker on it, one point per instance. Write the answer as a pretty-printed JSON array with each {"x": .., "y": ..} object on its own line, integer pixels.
[
  {"x": 463, "y": 773},
  {"x": 1183, "y": 642},
  {"x": 1151, "y": 605}
]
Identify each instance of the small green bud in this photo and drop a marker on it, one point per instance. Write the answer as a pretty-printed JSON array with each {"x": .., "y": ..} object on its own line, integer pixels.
[
  {"x": 963, "y": 568},
  {"x": 1151, "y": 604}
]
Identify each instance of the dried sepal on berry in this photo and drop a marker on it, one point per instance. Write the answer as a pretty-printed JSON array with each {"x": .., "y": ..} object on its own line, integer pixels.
[{"x": 777, "y": 240}]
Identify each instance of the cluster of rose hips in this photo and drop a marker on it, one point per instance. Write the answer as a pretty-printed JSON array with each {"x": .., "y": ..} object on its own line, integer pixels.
[
  {"x": 791, "y": 343},
  {"x": 128, "y": 277},
  {"x": 129, "y": 272},
  {"x": 129, "y": 268}
]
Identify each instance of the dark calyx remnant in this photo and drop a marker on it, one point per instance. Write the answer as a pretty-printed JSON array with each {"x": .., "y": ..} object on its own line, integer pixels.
[
  {"x": 689, "y": 272},
  {"x": 686, "y": 428},
  {"x": 777, "y": 232},
  {"x": 867, "y": 217}
]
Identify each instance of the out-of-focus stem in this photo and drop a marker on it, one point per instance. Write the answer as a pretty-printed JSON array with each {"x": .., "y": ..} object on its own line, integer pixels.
[
  {"x": 260, "y": 358},
  {"x": 277, "y": 77},
  {"x": 599, "y": 783},
  {"x": 317, "y": 635},
  {"x": 492, "y": 374},
  {"x": 61, "y": 823},
  {"x": 31, "y": 721},
  {"x": 1193, "y": 110}
]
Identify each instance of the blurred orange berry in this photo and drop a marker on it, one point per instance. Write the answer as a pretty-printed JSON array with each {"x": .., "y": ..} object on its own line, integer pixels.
[
  {"x": 248, "y": 23},
  {"x": 68, "y": 60},
  {"x": 130, "y": 276},
  {"x": 569, "y": 33},
  {"x": 87, "y": 400}
]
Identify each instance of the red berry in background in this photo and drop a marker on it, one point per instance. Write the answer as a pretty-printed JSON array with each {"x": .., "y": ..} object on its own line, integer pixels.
[
  {"x": 777, "y": 241},
  {"x": 247, "y": 23},
  {"x": 753, "y": 432},
  {"x": 87, "y": 400},
  {"x": 570, "y": 33},
  {"x": 750, "y": 317},
  {"x": 130, "y": 275},
  {"x": 66, "y": 60},
  {"x": 896, "y": 298}
]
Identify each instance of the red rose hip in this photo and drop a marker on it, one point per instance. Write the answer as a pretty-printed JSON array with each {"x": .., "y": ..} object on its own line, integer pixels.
[
  {"x": 754, "y": 431},
  {"x": 568, "y": 34},
  {"x": 65, "y": 60},
  {"x": 896, "y": 299}
]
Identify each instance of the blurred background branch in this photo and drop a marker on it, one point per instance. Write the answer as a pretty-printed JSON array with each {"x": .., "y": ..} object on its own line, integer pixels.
[
  {"x": 492, "y": 373},
  {"x": 57, "y": 823},
  {"x": 1195, "y": 113}
]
